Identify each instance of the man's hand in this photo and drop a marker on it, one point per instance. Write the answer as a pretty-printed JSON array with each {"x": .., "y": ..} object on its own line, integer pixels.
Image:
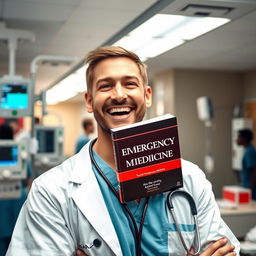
[
  {"x": 219, "y": 248},
  {"x": 80, "y": 253}
]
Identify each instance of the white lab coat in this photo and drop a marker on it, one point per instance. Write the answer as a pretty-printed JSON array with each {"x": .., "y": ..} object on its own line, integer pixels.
[{"x": 65, "y": 209}]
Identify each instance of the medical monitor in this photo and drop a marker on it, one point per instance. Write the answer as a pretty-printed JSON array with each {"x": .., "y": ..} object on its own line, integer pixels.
[
  {"x": 13, "y": 159},
  {"x": 50, "y": 142},
  {"x": 15, "y": 97},
  {"x": 46, "y": 141},
  {"x": 8, "y": 155}
]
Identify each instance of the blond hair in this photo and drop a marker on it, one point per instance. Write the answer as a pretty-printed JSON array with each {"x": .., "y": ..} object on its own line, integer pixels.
[{"x": 99, "y": 54}]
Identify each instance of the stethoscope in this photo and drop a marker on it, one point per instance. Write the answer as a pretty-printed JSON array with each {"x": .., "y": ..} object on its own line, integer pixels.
[
  {"x": 138, "y": 231},
  {"x": 193, "y": 209}
]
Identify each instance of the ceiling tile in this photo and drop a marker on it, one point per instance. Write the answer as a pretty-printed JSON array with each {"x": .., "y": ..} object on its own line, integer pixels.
[{"x": 37, "y": 11}]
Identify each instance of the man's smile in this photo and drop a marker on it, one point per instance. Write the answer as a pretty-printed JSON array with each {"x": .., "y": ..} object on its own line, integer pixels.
[{"x": 119, "y": 111}]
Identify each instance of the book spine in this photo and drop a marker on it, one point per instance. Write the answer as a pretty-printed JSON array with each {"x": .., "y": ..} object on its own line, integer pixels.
[
  {"x": 116, "y": 154},
  {"x": 116, "y": 149}
]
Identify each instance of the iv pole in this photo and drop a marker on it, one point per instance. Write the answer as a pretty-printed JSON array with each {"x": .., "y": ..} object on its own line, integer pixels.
[{"x": 33, "y": 71}]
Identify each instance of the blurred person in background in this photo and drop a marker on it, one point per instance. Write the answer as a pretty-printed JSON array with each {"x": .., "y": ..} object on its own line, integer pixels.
[
  {"x": 14, "y": 124},
  {"x": 10, "y": 208},
  {"x": 88, "y": 128},
  {"x": 248, "y": 172},
  {"x": 19, "y": 133}
]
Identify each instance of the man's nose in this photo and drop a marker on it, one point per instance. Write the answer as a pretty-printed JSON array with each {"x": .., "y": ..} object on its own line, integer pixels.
[{"x": 119, "y": 93}]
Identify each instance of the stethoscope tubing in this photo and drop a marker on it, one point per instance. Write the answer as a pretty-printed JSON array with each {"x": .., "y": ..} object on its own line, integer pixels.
[{"x": 137, "y": 232}]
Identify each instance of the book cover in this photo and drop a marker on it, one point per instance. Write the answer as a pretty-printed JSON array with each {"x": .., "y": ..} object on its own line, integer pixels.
[{"x": 147, "y": 156}]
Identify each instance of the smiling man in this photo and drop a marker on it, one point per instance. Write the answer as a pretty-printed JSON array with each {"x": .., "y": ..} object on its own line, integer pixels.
[
  {"x": 74, "y": 205},
  {"x": 117, "y": 95}
]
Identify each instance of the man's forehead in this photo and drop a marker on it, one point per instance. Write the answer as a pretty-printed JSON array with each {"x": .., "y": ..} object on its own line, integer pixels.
[{"x": 117, "y": 67}]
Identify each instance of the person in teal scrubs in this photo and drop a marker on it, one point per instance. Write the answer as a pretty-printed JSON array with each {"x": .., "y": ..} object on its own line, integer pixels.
[
  {"x": 248, "y": 172},
  {"x": 88, "y": 128},
  {"x": 10, "y": 208}
]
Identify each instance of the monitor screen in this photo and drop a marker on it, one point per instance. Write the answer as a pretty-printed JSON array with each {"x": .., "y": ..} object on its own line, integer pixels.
[
  {"x": 8, "y": 155},
  {"x": 14, "y": 96},
  {"x": 45, "y": 139}
]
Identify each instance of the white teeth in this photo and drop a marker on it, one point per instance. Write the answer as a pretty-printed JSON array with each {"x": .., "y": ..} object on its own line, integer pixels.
[{"x": 116, "y": 110}]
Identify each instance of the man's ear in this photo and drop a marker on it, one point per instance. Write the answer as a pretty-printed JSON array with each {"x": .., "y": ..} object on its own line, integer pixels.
[
  {"x": 88, "y": 102},
  {"x": 148, "y": 96}
]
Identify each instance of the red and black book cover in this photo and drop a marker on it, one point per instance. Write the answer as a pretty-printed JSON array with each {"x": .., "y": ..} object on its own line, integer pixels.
[{"x": 147, "y": 156}]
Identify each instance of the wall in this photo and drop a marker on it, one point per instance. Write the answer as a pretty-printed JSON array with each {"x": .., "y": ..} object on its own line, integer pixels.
[
  {"x": 250, "y": 85},
  {"x": 163, "y": 92},
  {"x": 225, "y": 89}
]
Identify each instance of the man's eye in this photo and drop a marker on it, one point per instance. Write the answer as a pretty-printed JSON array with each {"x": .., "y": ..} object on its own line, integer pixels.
[
  {"x": 104, "y": 86},
  {"x": 131, "y": 84}
]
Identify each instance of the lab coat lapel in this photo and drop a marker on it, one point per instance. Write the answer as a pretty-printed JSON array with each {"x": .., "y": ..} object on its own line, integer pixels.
[{"x": 89, "y": 200}]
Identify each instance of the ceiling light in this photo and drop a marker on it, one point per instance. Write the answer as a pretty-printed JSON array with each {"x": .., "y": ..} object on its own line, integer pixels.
[
  {"x": 193, "y": 27},
  {"x": 155, "y": 36},
  {"x": 157, "y": 25},
  {"x": 67, "y": 88},
  {"x": 164, "y": 32},
  {"x": 158, "y": 46}
]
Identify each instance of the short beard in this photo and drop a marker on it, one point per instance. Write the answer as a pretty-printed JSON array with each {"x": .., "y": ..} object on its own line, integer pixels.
[
  {"x": 107, "y": 130},
  {"x": 104, "y": 129}
]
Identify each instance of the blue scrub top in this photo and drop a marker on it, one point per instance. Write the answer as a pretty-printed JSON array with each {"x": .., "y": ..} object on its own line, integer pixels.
[
  {"x": 248, "y": 162},
  {"x": 156, "y": 224},
  {"x": 81, "y": 141},
  {"x": 10, "y": 209}
]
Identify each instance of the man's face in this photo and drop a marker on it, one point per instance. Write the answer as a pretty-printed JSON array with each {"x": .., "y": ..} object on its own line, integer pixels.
[{"x": 118, "y": 95}]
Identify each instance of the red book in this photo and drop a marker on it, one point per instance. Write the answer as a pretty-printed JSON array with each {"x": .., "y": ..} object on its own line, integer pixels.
[{"x": 147, "y": 156}]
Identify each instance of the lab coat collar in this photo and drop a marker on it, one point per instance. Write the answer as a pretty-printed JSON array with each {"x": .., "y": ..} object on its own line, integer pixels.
[
  {"x": 89, "y": 200},
  {"x": 82, "y": 165}
]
